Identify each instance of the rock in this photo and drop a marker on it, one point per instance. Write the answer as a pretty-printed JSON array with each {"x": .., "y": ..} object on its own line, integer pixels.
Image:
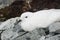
[
  {"x": 0, "y": 23},
  {"x": 8, "y": 34},
  {"x": 10, "y": 23},
  {"x": 56, "y": 37},
  {"x": 41, "y": 31},
  {"x": 34, "y": 35},
  {"x": 42, "y": 38},
  {"x": 4, "y": 3},
  {"x": 17, "y": 35},
  {"x": 55, "y": 27}
]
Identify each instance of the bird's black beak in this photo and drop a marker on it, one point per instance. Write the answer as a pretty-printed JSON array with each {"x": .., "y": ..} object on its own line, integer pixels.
[
  {"x": 20, "y": 20},
  {"x": 22, "y": 30}
]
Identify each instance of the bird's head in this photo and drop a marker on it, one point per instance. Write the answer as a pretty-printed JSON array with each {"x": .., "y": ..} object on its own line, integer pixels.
[
  {"x": 25, "y": 15},
  {"x": 24, "y": 20}
]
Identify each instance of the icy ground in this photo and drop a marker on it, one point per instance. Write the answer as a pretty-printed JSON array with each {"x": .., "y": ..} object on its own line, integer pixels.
[{"x": 15, "y": 33}]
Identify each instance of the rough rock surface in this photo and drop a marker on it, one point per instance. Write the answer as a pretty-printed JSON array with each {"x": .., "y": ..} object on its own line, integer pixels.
[
  {"x": 4, "y": 3},
  {"x": 16, "y": 33},
  {"x": 55, "y": 27}
]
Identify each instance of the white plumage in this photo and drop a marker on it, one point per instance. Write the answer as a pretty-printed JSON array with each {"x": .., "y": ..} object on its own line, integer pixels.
[{"x": 39, "y": 19}]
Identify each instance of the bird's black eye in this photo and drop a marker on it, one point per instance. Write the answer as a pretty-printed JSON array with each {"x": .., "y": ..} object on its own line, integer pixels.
[{"x": 26, "y": 17}]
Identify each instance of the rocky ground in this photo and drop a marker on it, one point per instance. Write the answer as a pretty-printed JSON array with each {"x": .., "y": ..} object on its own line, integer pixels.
[{"x": 15, "y": 33}]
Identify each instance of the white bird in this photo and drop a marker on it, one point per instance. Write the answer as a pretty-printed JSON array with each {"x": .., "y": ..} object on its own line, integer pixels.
[{"x": 39, "y": 19}]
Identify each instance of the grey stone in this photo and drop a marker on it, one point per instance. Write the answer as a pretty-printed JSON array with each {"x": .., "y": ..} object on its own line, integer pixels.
[
  {"x": 14, "y": 35},
  {"x": 41, "y": 31},
  {"x": 56, "y": 37},
  {"x": 4, "y": 3},
  {"x": 54, "y": 27},
  {"x": 42, "y": 38},
  {"x": 8, "y": 34}
]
